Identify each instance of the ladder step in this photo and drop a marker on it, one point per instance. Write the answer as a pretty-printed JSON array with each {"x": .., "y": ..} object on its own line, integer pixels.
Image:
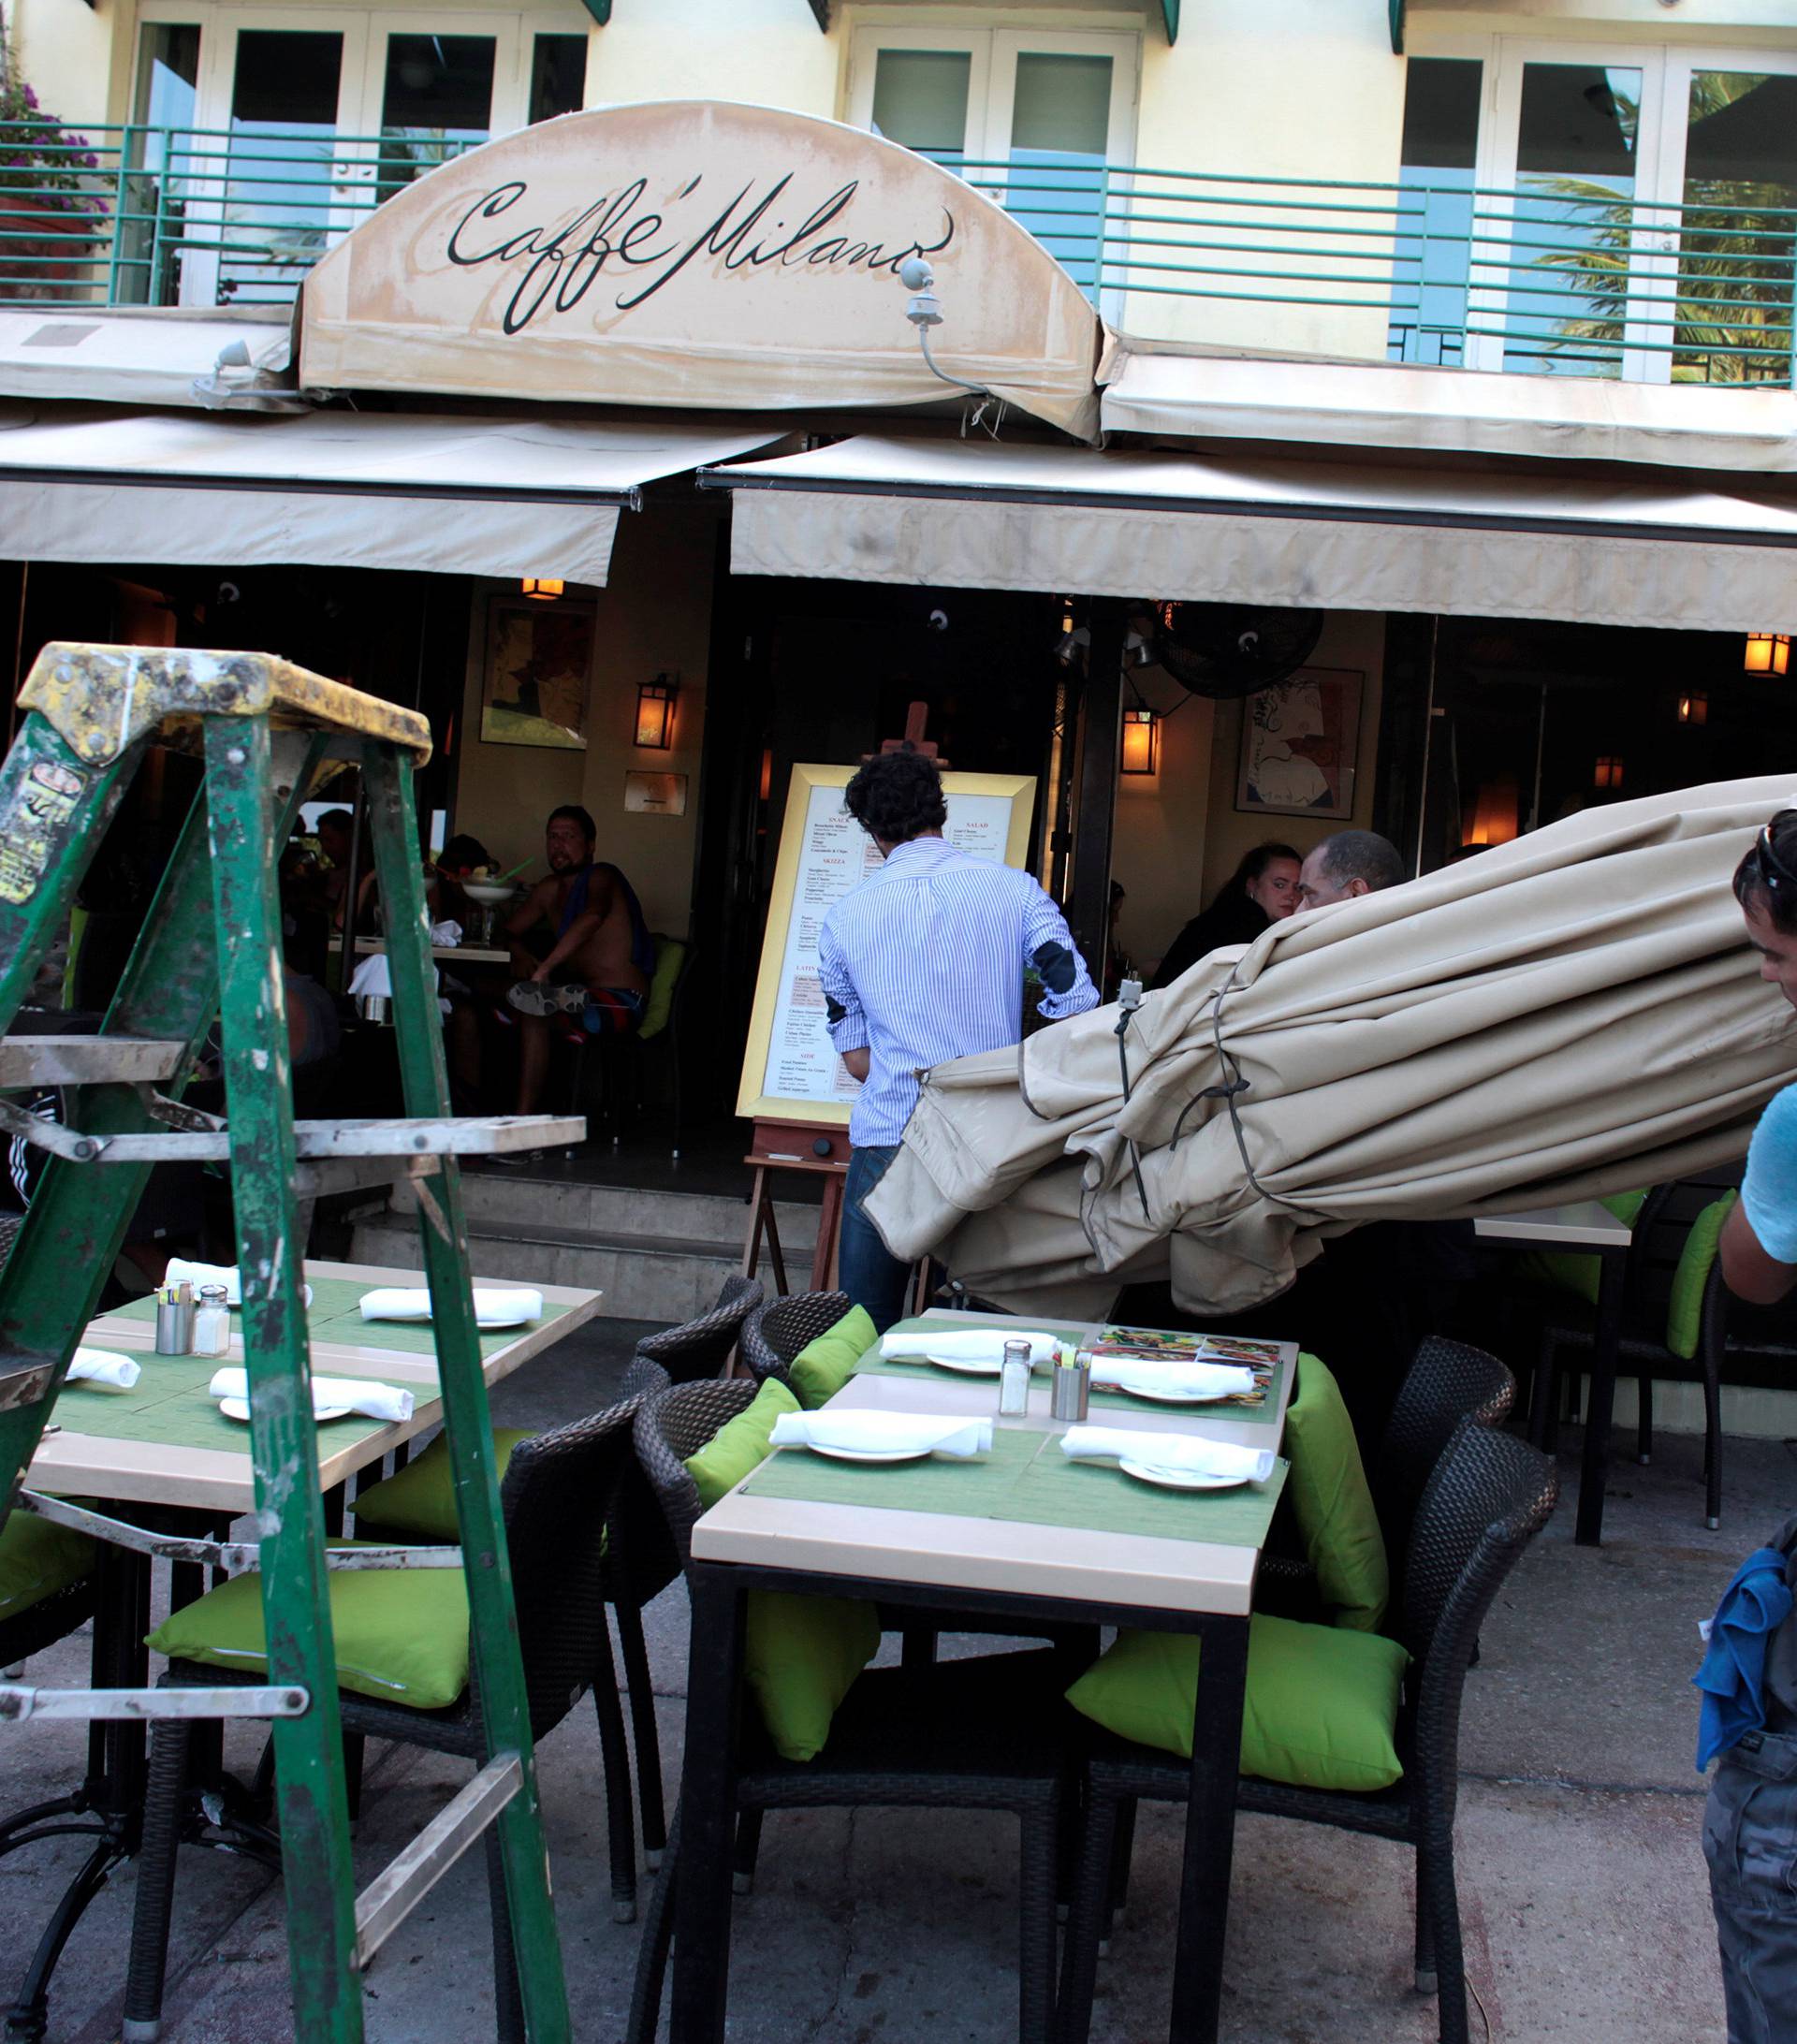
[
  {"x": 392, "y": 1896},
  {"x": 24, "y": 1380},
  {"x": 17, "y": 1702},
  {"x": 87, "y": 1060},
  {"x": 452, "y": 1136}
]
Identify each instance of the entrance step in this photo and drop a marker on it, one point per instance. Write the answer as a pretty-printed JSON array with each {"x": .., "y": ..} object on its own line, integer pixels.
[{"x": 652, "y": 1255}]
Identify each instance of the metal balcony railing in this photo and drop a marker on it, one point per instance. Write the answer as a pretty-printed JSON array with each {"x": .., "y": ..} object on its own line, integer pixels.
[{"x": 1563, "y": 275}]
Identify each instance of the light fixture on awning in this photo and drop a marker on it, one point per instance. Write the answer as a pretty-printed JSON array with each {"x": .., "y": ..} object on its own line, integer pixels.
[
  {"x": 1608, "y": 772},
  {"x": 545, "y": 589},
  {"x": 1141, "y": 749},
  {"x": 1768, "y": 652},
  {"x": 1694, "y": 708},
  {"x": 655, "y": 713}
]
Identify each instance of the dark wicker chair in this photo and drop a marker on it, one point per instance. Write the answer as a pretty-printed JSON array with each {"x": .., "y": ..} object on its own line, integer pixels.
[
  {"x": 776, "y": 1332},
  {"x": 970, "y": 1734},
  {"x": 699, "y": 1348},
  {"x": 558, "y": 1497},
  {"x": 1489, "y": 1495}
]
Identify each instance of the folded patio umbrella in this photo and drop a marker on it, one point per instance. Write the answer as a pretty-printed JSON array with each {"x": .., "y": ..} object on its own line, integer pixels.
[{"x": 1572, "y": 1014}]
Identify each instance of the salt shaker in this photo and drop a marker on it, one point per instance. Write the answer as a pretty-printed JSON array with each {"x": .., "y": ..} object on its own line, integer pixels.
[
  {"x": 212, "y": 1322},
  {"x": 1014, "y": 1381}
]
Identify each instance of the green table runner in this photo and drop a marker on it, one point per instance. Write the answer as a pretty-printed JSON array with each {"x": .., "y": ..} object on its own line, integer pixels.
[
  {"x": 1027, "y": 1479},
  {"x": 1262, "y": 1411}
]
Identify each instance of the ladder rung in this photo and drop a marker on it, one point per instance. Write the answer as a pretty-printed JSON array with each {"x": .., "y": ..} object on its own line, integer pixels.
[
  {"x": 316, "y": 1140},
  {"x": 18, "y": 1702},
  {"x": 23, "y": 1383},
  {"x": 333, "y": 1175},
  {"x": 87, "y": 1060},
  {"x": 394, "y": 1892}
]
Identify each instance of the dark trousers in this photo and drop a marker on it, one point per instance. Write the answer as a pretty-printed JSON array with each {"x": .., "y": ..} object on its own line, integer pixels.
[
  {"x": 867, "y": 1270},
  {"x": 1750, "y": 1842}
]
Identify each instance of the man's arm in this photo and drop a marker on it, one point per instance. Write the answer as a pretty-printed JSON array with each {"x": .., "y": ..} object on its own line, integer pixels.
[
  {"x": 1048, "y": 945},
  {"x": 847, "y": 1020},
  {"x": 1747, "y": 1270},
  {"x": 533, "y": 910},
  {"x": 1758, "y": 1245}
]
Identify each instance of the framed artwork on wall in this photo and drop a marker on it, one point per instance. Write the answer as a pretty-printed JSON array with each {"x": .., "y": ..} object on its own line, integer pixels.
[
  {"x": 539, "y": 672},
  {"x": 1301, "y": 745}
]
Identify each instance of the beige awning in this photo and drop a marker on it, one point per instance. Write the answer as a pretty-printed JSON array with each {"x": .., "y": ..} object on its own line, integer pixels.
[
  {"x": 141, "y": 355},
  {"x": 444, "y": 495},
  {"x": 1572, "y": 1014},
  {"x": 1629, "y": 549},
  {"x": 1450, "y": 411}
]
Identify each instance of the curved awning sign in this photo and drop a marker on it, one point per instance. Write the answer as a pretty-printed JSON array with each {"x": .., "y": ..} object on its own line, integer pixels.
[{"x": 696, "y": 253}]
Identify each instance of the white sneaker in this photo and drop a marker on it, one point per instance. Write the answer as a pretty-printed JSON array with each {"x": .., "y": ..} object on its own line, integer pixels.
[{"x": 537, "y": 996}]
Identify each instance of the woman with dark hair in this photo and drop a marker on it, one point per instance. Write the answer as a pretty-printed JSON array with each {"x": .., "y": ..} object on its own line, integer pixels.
[{"x": 1262, "y": 889}]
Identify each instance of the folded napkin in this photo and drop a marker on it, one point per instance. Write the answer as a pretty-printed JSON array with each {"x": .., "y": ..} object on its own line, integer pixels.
[
  {"x": 226, "y": 1275},
  {"x": 372, "y": 978},
  {"x": 446, "y": 932},
  {"x": 493, "y": 1306},
  {"x": 94, "y": 1366},
  {"x": 359, "y": 1393},
  {"x": 924, "y": 1432},
  {"x": 1179, "y": 1380},
  {"x": 966, "y": 1345},
  {"x": 1170, "y": 1452}
]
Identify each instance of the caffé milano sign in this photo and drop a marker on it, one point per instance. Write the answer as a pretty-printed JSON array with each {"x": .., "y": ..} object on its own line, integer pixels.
[{"x": 696, "y": 253}]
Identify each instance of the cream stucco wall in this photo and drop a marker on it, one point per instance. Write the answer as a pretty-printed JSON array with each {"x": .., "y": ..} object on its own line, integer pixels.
[
  {"x": 655, "y": 618},
  {"x": 770, "y": 52}
]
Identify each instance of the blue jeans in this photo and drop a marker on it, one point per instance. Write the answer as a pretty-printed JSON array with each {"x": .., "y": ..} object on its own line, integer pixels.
[
  {"x": 866, "y": 1269},
  {"x": 1750, "y": 1841}
]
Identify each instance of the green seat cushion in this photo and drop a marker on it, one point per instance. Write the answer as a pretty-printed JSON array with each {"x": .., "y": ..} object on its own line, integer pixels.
[
  {"x": 800, "y": 1653},
  {"x": 822, "y": 1368},
  {"x": 1332, "y": 1502},
  {"x": 670, "y": 954},
  {"x": 38, "y": 1559},
  {"x": 419, "y": 1503},
  {"x": 1318, "y": 1712},
  {"x": 1685, "y": 1307},
  {"x": 402, "y": 1634}
]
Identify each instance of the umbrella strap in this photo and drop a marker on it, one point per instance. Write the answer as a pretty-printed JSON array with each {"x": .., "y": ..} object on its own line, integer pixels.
[{"x": 1226, "y": 1092}]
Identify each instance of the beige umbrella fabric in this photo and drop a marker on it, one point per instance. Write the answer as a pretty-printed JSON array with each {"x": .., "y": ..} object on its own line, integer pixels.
[{"x": 1572, "y": 1014}]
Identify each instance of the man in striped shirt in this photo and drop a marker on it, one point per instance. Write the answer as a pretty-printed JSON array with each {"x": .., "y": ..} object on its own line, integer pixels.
[{"x": 922, "y": 962}]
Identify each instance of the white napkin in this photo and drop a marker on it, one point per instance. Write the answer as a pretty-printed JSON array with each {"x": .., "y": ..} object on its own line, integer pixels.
[
  {"x": 226, "y": 1275},
  {"x": 1180, "y": 1379},
  {"x": 94, "y": 1366},
  {"x": 1170, "y": 1452},
  {"x": 359, "y": 1393},
  {"x": 937, "y": 1433},
  {"x": 372, "y": 978},
  {"x": 966, "y": 1345},
  {"x": 493, "y": 1306},
  {"x": 446, "y": 932}
]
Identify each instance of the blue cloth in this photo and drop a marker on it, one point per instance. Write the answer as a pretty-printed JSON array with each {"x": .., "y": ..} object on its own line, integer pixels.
[
  {"x": 1768, "y": 1189},
  {"x": 642, "y": 945},
  {"x": 1756, "y": 1603},
  {"x": 924, "y": 962},
  {"x": 866, "y": 1269}
]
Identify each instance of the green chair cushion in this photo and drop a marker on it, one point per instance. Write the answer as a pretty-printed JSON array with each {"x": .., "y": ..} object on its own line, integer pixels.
[
  {"x": 38, "y": 1559},
  {"x": 1685, "y": 1307},
  {"x": 670, "y": 954},
  {"x": 1332, "y": 1502},
  {"x": 800, "y": 1653},
  {"x": 401, "y": 1633},
  {"x": 418, "y": 1502},
  {"x": 1318, "y": 1712},
  {"x": 822, "y": 1368}
]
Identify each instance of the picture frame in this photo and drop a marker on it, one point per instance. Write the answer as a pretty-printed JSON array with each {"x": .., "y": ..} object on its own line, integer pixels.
[
  {"x": 1300, "y": 745},
  {"x": 538, "y": 685}
]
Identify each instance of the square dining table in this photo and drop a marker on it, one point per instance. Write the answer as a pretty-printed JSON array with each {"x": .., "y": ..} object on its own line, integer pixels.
[{"x": 1024, "y": 1533}]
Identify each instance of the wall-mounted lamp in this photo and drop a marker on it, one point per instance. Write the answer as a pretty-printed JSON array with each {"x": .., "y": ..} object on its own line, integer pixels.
[
  {"x": 1768, "y": 652},
  {"x": 543, "y": 588},
  {"x": 1608, "y": 773},
  {"x": 1694, "y": 708},
  {"x": 1141, "y": 742},
  {"x": 655, "y": 713}
]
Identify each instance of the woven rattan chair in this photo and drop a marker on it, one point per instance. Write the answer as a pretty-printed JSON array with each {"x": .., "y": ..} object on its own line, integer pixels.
[
  {"x": 698, "y": 1348},
  {"x": 776, "y": 1332},
  {"x": 1488, "y": 1497},
  {"x": 558, "y": 1497},
  {"x": 970, "y": 1734}
]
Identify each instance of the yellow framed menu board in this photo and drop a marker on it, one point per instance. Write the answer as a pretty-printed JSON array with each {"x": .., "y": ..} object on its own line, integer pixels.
[{"x": 791, "y": 1071}]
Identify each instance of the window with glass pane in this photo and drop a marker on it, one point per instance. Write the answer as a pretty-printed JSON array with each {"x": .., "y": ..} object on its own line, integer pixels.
[
  {"x": 1738, "y": 230},
  {"x": 1432, "y": 251},
  {"x": 437, "y": 101},
  {"x": 276, "y": 184},
  {"x": 163, "y": 148},
  {"x": 1571, "y": 292},
  {"x": 558, "y": 76},
  {"x": 920, "y": 99},
  {"x": 1060, "y": 123}
]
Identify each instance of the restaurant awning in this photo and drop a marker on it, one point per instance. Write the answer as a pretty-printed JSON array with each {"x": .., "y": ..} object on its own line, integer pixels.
[
  {"x": 1451, "y": 410},
  {"x": 138, "y": 355},
  {"x": 462, "y": 495},
  {"x": 1469, "y": 540}
]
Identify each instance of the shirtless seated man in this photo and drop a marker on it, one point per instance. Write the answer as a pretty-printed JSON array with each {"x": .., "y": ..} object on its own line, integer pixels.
[{"x": 598, "y": 965}]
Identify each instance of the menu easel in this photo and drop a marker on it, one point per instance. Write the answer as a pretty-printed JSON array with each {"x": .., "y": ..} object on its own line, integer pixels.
[{"x": 795, "y": 1145}]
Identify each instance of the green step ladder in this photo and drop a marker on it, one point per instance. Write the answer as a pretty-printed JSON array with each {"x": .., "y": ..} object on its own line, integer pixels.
[{"x": 268, "y": 733}]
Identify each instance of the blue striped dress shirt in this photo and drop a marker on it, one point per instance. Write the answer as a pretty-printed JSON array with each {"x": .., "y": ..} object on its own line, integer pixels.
[{"x": 924, "y": 962}]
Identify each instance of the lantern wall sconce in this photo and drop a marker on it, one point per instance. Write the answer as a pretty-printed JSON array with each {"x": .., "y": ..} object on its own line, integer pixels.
[
  {"x": 543, "y": 588},
  {"x": 1767, "y": 652},
  {"x": 1141, "y": 750},
  {"x": 1608, "y": 774},
  {"x": 1694, "y": 708},
  {"x": 655, "y": 713}
]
